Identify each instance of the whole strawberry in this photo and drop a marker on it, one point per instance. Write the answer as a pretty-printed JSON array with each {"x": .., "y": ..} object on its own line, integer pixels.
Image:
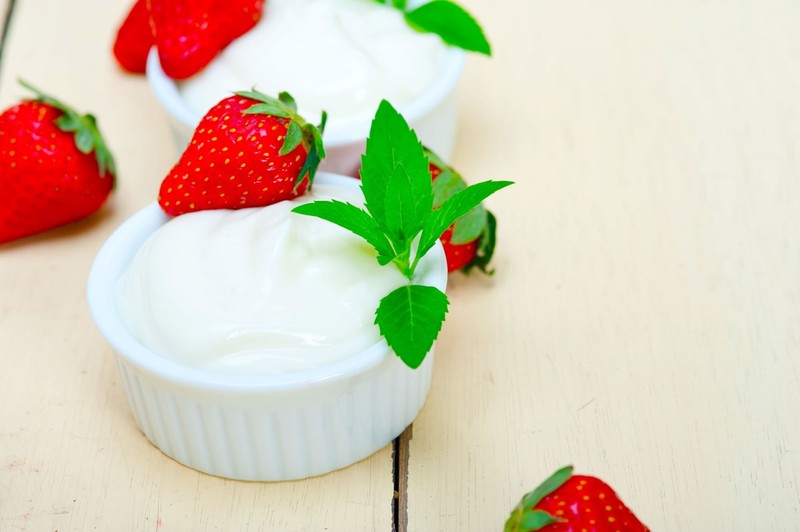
[
  {"x": 470, "y": 241},
  {"x": 249, "y": 150},
  {"x": 55, "y": 167},
  {"x": 572, "y": 503},
  {"x": 134, "y": 39},
  {"x": 190, "y": 33}
]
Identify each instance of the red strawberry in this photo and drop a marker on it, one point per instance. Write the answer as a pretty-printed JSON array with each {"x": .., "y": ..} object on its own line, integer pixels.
[
  {"x": 572, "y": 503},
  {"x": 469, "y": 242},
  {"x": 249, "y": 150},
  {"x": 190, "y": 33},
  {"x": 134, "y": 39},
  {"x": 55, "y": 167}
]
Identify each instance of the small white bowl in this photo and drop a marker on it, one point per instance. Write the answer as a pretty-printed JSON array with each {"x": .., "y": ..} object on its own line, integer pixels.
[
  {"x": 258, "y": 427},
  {"x": 433, "y": 115}
]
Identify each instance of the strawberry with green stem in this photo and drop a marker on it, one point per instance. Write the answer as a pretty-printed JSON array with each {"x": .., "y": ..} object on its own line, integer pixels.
[
  {"x": 55, "y": 167},
  {"x": 572, "y": 503},
  {"x": 249, "y": 150},
  {"x": 470, "y": 241}
]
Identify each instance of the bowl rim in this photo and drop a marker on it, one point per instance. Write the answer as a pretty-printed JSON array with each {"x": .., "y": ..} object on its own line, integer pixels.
[
  {"x": 120, "y": 248},
  {"x": 169, "y": 96}
]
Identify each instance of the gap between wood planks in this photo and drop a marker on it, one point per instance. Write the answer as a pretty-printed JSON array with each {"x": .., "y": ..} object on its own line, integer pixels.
[
  {"x": 400, "y": 447},
  {"x": 6, "y": 24}
]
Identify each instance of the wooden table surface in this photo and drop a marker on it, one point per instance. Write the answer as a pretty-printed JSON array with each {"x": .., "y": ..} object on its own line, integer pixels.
[{"x": 643, "y": 323}]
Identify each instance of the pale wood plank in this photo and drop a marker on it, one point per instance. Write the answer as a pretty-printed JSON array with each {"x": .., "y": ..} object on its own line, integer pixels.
[
  {"x": 71, "y": 458},
  {"x": 643, "y": 321}
]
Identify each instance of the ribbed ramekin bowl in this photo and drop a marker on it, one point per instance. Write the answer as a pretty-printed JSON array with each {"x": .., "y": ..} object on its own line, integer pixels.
[
  {"x": 432, "y": 114},
  {"x": 257, "y": 427}
]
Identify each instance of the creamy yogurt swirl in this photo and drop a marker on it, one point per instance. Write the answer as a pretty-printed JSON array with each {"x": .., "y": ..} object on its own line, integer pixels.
[
  {"x": 342, "y": 56},
  {"x": 256, "y": 290}
]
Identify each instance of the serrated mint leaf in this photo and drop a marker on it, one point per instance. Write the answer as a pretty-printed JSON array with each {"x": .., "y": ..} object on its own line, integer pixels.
[
  {"x": 406, "y": 211},
  {"x": 470, "y": 226},
  {"x": 410, "y": 319},
  {"x": 452, "y": 23},
  {"x": 353, "y": 219},
  {"x": 455, "y": 207},
  {"x": 391, "y": 144}
]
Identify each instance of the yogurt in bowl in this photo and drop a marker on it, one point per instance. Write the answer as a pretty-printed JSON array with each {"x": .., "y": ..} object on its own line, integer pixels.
[
  {"x": 273, "y": 372},
  {"x": 341, "y": 56}
]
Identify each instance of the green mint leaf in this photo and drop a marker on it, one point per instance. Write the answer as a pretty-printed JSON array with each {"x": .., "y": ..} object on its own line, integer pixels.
[
  {"x": 392, "y": 144},
  {"x": 406, "y": 215},
  {"x": 452, "y": 23},
  {"x": 353, "y": 219},
  {"x": 410, "y": 319},
  {"x": 293, "y": 138},
  {"x": 455, "y": 207}
]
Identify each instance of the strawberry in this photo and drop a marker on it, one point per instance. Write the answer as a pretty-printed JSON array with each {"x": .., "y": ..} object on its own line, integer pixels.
[
  {"x": 134, "y": 39},
  {"x": 469, "y": 242},
  {"x": 572, "y": 503},
  {"x": 190, "y": 33},
  {"x": 55, "y": 167},
  {"x": 249, "y": 150}
]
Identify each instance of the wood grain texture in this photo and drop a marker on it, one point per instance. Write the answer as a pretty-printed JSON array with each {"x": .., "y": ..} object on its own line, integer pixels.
[
  {"x": 644, "y": 320},
  {"x": 71, "y": 458}
]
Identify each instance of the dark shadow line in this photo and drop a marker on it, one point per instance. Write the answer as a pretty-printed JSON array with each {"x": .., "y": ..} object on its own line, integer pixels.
[{"x": 400, "y": 456}]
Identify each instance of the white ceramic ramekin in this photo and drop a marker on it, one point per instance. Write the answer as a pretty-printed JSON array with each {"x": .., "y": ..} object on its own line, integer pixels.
[
  {"x": 258, "y": 427},
  {"x": 432, "y": 115}
]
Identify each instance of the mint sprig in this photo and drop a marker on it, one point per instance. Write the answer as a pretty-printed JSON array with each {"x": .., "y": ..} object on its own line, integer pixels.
[
  {"x": 400, "y": 222},
  {"x": 454, "y": 24}
]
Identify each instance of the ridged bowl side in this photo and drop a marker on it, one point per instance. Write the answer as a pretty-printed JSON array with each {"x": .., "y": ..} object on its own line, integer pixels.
[{"x": 278, "y": 436}]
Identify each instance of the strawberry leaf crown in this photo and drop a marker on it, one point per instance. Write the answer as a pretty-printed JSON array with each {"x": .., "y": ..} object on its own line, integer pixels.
[
  {"x": 525, "y": 518},
  {"x": 87, "y": 135},
  {"x": 298, "y": 131},
  {"x": 479, "y": 223}
]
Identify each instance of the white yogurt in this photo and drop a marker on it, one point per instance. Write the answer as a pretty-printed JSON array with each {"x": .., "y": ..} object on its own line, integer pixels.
[
  {"x": 342, "y": 56},
  {"x": 256, "y": 290}
]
